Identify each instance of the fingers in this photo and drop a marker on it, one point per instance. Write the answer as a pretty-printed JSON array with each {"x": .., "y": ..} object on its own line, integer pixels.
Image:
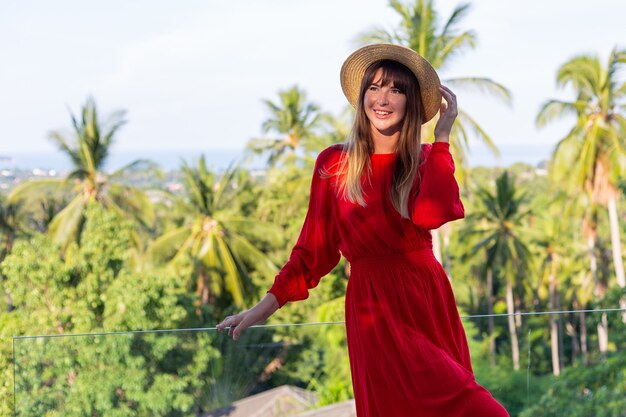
[
  {"x": 447, "y": 115},
  {"x": 448, "y": 95},
  {"x": 445, "y": 91},
  {"x": 235, "y": 324},
  {"x": 235, "y": 331},
  {"x": 450, "y": 105},
  {"x": 228, "y": 322}
]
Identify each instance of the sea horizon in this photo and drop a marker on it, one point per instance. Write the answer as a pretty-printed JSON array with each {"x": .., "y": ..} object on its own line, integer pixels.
[{"x": 220, "y": 159}]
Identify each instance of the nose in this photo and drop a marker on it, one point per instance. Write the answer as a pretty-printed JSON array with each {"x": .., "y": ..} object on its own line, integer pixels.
[{"x": 382, "y": 98}]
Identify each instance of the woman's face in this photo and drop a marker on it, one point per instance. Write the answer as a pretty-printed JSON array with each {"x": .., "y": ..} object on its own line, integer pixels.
[{"x": 384, "y": 105}]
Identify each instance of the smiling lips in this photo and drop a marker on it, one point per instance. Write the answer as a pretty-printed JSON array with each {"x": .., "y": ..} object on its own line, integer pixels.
[{"x": 381, "y": 114}]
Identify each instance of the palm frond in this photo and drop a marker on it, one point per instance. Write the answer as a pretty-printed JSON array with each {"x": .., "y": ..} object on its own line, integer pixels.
[
  {"x": 459, "y": 13},
  {"x": 467, "y": 120},
  {"x": 165, "y": 247},
  {"x": 67, "y": 224},
  {"x": 233, "y": 275},
  {"x": 483, "y": 85},
  {"x": 140, "y": 165},
  {"x": 556, "y": 109},
  {"x": 583, "y": 72},
  {"x": 133, "y": 203},
  {"x": 254, "y": 229},
  {"x": 249, "y": 252},
  {"x": 453, "y": 47},
  {"x": 35, "y": 190}
]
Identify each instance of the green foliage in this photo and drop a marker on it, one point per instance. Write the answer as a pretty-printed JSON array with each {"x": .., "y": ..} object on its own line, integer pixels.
[
  {"x": 91, "y": 289},
  {"x": 597, "y": 390},
  {"x": 94, "y": 255}
]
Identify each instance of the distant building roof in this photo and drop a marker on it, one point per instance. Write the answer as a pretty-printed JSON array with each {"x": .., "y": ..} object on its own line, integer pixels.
[
  {"x": 343, "y": 409},
  {"x": 284, "y": 401}
]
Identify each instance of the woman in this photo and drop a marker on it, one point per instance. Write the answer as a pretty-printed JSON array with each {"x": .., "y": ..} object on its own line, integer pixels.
[{"x": 374, "y": 201}]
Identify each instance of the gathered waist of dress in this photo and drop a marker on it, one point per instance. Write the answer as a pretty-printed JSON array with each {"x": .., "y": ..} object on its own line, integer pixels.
[{"x": 389, "y": 261}]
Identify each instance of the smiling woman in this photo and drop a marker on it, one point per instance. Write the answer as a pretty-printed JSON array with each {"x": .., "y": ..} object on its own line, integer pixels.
[{"x": 374, "y": 200}]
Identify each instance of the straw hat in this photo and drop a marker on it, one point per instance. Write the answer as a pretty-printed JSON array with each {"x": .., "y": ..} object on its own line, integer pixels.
[{"x": 353, "y": 71}]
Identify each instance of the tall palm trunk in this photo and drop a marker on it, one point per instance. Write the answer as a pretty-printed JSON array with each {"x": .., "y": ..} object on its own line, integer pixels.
[
  {"x": 8, "y": 246},
  {"x": 603, "y": 334},
  {"x": 202, "y": 286},
  {"x": 554, "y": 331},
  {"x": 492, "y": 338},
  {"x": 570, "y": 328},
  {"x": 583, "y": 337},
  {"x": 561, "y": 330},
  {"x": 512, "y": 329},
  {"x": 602, "y": 327},
  {"x": 616, "y": 245}
]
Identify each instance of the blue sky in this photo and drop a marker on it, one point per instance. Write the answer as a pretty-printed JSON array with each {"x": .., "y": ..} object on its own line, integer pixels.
[{"x": 192, "y": 74}]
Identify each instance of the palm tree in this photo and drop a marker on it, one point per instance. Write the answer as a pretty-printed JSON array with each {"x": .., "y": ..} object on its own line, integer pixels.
[
  {"x": 12, "y": 218},
  {"x": 294, "y": 120},
  {"x": 216, "y": 236},
  {"x": 499, "y": 222},
  {"x": 88, "y": 147},
  {"x": 420, "y": 30},
  {"x": 553, "y": 244},
  {"x": 591, "y": 157}
]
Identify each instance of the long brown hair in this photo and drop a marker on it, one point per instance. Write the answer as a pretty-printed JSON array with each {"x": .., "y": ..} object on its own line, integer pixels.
[{"x": 360, "y": 145}]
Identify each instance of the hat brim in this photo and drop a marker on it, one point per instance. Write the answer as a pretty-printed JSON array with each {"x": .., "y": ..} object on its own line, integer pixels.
[{"x": 353, "y": 71}]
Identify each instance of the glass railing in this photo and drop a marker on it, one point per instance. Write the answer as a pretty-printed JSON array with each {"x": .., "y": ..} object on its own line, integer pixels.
[{"x": 303, "y": 370}]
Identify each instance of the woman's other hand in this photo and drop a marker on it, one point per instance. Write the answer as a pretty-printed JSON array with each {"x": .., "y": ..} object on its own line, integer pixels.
[
  {"x": 447, "y": 115},
  {"x": 258, "y": 314}
]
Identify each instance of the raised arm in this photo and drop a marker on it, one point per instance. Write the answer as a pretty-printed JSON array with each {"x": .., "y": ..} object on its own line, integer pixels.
[{"x": 438, "y": 200}]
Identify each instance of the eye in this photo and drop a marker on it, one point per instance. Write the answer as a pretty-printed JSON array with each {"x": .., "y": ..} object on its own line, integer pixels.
[
  {"x": 396, "y": 91},
  {"x": 373, "y": 87}
]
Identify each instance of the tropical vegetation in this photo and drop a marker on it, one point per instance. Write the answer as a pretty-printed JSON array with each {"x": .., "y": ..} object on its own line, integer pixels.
[{"x": 110, "y": 289}]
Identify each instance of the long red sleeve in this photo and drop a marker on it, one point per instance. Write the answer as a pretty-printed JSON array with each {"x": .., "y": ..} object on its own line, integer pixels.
[
  {"x": 438, "y": 199},
  {"x": 316, "y": 252}
]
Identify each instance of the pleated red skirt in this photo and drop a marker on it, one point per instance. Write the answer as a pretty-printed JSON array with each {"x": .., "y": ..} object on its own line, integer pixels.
[{"x": 408, "y": 350}]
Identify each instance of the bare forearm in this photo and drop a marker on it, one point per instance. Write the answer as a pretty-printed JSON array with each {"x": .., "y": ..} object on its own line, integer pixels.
[
  {"x": 266, "y": 307},
  {"x": 255, "y": 315}
]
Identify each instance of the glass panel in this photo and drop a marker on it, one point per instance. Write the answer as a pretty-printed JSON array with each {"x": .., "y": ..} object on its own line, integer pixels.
[{"x": 292, "y": 370}]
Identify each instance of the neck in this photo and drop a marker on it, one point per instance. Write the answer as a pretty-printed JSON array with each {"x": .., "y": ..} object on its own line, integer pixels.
[{"x": 385, "y": 143}]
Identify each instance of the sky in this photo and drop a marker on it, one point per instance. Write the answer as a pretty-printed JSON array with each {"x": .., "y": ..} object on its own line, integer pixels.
[{"x": 192, "y": 74}]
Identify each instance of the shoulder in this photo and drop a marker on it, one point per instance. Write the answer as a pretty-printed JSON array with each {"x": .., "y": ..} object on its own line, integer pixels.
[
  {"x": 329, "y": 157},
  {"x": 333, "y": 151}
]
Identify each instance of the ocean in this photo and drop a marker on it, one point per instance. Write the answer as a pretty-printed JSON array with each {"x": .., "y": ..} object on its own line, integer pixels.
[
  {"x": 168, "y": 160},
  {"x": 219, "y": 159}
]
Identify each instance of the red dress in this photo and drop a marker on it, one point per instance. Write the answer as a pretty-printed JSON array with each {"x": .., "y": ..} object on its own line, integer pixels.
[{"x": 407, "y": 347}]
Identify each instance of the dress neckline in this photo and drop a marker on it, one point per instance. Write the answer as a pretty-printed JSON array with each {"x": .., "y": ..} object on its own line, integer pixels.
[{"x": 383, "y": 158}]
